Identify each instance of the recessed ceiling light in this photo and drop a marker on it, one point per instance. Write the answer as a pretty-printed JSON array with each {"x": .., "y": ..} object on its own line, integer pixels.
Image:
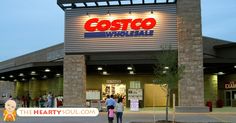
[
  {"x": 33, "y": 78},
  {"x": 129, "y": 68},
  {"x": 11, "y": 76},
  {"x": 99, "y": 68},
  {"x": 15, "y": 80},
  {"x": 234, "y": 66},
  {"x": 33, "y": 73},
  {"x": 47, "y": 70},
  {"x": 21, "y": 74},
  {"x": 58, "y": 75},
  {"x": 23, "y": 79},
  {"x": 166, "y": 68},
  {"x": 2, "y": 77},
  {"x": 131, "y": 72},
  {"x": 164, "y": 72},
  {"x": 220, "y": 73},
  {"x": 44, "y": 77},
  {"x": 104, "y": 73}
]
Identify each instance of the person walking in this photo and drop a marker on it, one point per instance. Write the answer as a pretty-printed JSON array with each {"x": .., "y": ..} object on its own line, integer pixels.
[
  {"x": 28, "y": 99},
  {"x": 110, "y": 103},
  {"x": 49, "y": 100},
  {"x": 119, "y": 110},
  {"x": 108, "y": 97},
  {"x": 23, "y": 101},
  {"x": 111, "y": 114}
]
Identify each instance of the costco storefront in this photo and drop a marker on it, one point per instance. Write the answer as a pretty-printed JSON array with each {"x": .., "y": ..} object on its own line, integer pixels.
[{"x": 103, "y": 33}]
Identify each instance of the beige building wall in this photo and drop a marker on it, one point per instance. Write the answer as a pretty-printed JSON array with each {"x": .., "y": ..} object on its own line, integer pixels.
[{"x": 211, "y": 88}]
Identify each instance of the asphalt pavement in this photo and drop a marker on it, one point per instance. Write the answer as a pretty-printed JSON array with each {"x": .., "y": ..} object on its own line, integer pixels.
[{"x": 225, "y": 115}]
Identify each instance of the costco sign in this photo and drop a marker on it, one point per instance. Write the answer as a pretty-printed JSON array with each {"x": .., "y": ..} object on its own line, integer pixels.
[{"x": 97, "y": 28}]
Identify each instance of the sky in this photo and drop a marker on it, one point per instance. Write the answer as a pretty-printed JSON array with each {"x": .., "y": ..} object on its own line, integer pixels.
[{"x": 31, "y": 25}]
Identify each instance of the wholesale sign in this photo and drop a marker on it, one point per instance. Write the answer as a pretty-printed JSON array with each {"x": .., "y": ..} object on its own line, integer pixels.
[
  {"x": 91, "y": 30},
  {"x": 230, "y": 85},
  {"x": 98, "y": 28}
]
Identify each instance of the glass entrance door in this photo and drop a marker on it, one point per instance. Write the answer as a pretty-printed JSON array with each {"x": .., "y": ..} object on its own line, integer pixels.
[{"x": 228, "y": 100}]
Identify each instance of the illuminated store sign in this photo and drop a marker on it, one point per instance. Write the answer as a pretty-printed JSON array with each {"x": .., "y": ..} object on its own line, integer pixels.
[
  {"x": 113, "y": 81},
  {"x": 230, "y": 85},
  {"x": 119, "y": 28}
]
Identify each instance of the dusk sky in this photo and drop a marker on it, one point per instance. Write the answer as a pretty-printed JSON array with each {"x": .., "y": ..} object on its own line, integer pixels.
[{"x": 30, "y": 25}]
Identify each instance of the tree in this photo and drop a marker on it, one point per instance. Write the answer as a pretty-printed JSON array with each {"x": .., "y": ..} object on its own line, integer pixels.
[{"x": 168, "y": 72}]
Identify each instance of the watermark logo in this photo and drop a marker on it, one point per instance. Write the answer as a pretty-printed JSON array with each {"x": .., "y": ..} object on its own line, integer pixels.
[
  {"x": 9, "y": 113},
  {"x": 57, "y": 112}
]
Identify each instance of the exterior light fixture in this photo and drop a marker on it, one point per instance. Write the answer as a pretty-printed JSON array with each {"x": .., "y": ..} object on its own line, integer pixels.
[
  {"x": 15, "y": 80},
  {"x": 58, "y": 75},
  {"x": 131, "y": 72},
  {"x": 166, "y": 68},
  {"x": 67, "y": 5},
  {"x": 21, "y": 74},
  {"x": 104, "y": 73},
  {"x": 234, "y": 66},
  {"x": 151, "y": 11},
  {"x": 129, "y": 68},
  {"x": 130, "y": 12},
  {"x": 23, "y": 79},
  {"x": 2, "y": 77},
  {"x": 99, "y": 68},
  {"x": 220, "y": 73},
  {"x": 164, "y": 72},
  {"x": 33, "y": 78},
  {"x": 11, "y": 76},
  {"x": 33, "y": 73},
  {"x": 87, "y": 14},
  {"x": 44, "y": 77},
  {"x": 108, "y": 13},
  {"x": 47, "y": 70}
]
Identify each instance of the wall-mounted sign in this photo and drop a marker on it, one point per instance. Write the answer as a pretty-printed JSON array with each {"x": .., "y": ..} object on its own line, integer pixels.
[
  {"x": 93, "y": 95},
  {"x": 124, "y": 29},
  {"x": 98, "y": 28},
  {"x": 135, "y": 84},
  {"x": 113, "y": 81},
  {"x": 230, "y": 85},
  {"x": 135, "y": 94}
]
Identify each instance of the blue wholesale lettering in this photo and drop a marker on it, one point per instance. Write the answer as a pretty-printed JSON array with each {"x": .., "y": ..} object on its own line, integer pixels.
[{"x": 114, "y": 34}]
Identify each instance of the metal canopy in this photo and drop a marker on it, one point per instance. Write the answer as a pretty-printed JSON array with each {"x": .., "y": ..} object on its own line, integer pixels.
[{"x": 70, "y": 4}]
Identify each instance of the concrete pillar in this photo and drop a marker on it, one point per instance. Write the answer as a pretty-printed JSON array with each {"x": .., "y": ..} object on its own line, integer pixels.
[
  {"x": 74, "y": 89},
  {"x": 190, "y": 49},
  {"x": 7, "y": 88}
]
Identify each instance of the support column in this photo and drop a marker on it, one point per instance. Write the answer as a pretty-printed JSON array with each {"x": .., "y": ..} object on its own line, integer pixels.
[
  {"x": 190, "y": 49},
  {"x": 7, "y": 88},
  {"x": 74, "y": 89}
]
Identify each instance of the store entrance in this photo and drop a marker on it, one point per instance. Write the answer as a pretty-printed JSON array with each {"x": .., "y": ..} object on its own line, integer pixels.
[
  {"x": 118, "y": 90},
  {"x": 230, "y": 98}
]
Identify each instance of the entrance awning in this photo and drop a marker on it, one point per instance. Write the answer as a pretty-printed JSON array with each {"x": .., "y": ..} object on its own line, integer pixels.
[
  {"x": 69, "y": 4},
  {"x": 35, "y": 70}
]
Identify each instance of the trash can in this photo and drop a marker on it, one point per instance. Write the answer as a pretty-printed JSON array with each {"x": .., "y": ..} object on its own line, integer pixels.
[{"x": 209, "y": 105}]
